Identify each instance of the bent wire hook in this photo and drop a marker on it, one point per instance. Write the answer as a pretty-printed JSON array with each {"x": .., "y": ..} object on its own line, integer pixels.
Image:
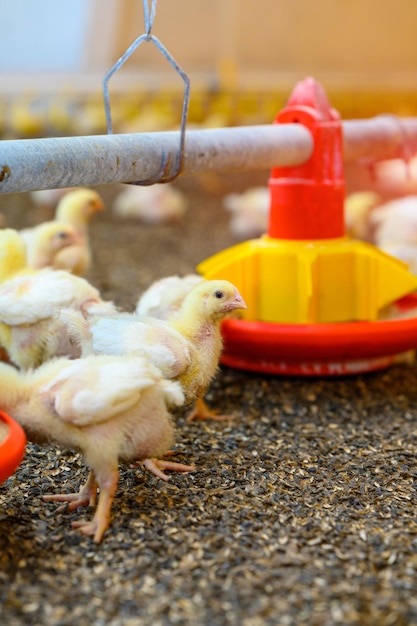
[{"x": 165, "y": 175}]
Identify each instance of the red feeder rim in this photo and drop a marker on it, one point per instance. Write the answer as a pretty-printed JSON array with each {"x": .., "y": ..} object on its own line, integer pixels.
[
  {"x": 12, "y": 448},
  {"x": 328, "y": 349}
]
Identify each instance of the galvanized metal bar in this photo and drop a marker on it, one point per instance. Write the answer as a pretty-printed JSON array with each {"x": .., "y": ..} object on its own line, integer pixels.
[
  {"x": 378, "y": 138},
  {"x": 30, "y": 164}
]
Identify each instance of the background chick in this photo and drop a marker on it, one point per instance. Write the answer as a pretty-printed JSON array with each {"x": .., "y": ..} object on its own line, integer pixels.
[
  {"x": 30, "y": 330},
  {"x": 57, "y": 245},
  {"x": 358, "y": 207},
  {"x": 152, "y": 204},
  {"x": 249, "y": 212},
  {"x": 75, "y": 209},
  {"x": 48, "y": 198},
  {"x": 186, "y": 347},
  {"x": 13, "y": 258},
  {"x": 395, "y": 229},
  {"x": 118, "y": 402},
  {"x": 396, "y": 221}
]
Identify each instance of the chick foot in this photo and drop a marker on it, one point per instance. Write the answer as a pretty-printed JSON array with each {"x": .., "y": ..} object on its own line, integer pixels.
[
  {"x": 85, "y": 497},
  {"x": 202, "y": 412},
  {"x": 156, "y": 466},
  {"x": 97, "y": 526},
  {"x": 101, "y": 520}
]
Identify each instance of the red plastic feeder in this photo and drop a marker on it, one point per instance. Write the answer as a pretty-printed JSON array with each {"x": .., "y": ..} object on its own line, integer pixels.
[
  {"x": 314, "y": 296},
  {"x": 12, "y": 448}
]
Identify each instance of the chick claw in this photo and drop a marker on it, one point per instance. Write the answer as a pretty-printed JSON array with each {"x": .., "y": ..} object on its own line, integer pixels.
[
  {"x": 202, "y": 412},
  {"x": 85, "y": 497},
  {"x": 86, "y": 527},
  {"x": 157, "y": 465},
  {"x": 94, "y": 527}
]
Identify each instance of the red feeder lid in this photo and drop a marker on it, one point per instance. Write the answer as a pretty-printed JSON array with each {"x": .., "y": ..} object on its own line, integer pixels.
[{"x": 307, "y": 200}]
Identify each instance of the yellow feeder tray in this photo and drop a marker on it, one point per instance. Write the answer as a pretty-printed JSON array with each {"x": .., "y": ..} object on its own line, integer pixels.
[{"x": 310, "y": 282}]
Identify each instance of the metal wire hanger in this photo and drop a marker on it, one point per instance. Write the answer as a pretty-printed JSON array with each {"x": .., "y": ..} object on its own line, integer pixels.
[{"x": 165, "y": 174}]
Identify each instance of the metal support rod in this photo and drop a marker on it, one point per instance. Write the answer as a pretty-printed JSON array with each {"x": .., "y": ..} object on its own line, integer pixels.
[
  {"x": 29, "y": 164},
  {"x": 85, "y": 161}
]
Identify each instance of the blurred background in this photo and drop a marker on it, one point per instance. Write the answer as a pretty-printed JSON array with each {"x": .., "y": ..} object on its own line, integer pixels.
[{"x": 243, "y": 59}]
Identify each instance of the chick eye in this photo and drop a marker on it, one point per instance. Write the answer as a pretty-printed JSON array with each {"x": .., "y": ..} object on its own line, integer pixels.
[
  {"x": 219, "y": 294},
  {"x": 62, "y": 235}
]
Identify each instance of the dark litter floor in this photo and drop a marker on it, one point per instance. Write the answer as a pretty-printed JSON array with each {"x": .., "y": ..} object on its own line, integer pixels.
[{"x": 302, "y": 511}]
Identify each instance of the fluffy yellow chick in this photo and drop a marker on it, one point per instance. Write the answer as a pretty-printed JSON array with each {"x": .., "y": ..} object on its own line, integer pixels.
[
  {"x": 358, "y": 208},
  {"x": 186, "y": 347},
  {"x": 74, "y": 210},
  {"x": 30, "y": 330},
  {"x": 57, "y": 245},
  {"x": 165, "y": 296},
  {"x": 77, "y": 207},
  {"x": 12, "y": 254},
  {"x": 111, "y": 409}
]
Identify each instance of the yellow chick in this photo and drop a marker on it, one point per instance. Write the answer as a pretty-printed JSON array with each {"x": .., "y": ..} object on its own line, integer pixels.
[
  {"x": 57, "y": 245},
  {"x": 30, "y": 330},
  {"x": 77, "y": 207},
  {"x": 186, "y": 347},
  {"x": 358, "y": 208},
  {"x": 12, "y": 254},
  {"x": 111, "y": 409},
  {"x": 74, "y": 210}
]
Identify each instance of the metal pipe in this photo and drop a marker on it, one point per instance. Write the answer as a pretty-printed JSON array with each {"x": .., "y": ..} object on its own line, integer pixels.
[
  {"x": 379, "y": 138},
  {"x": 29, "y": 164}
]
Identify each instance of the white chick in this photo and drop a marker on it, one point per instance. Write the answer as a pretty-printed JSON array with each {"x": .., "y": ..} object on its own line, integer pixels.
[
  {"x": 406, "y": 252},
  {"x": 396, "y": 221},
  {"x": 30, "y": 329},
  {"x": 186, "y": 347},
  {"x": 48, "y": 198},
  {"x": 164, "y": 297},
  {"x": 250, "y": 211},
  {"x": 152, "y": 204},
  {"x": 395, "y": 229},
  {"x": 111, "y": 409}
]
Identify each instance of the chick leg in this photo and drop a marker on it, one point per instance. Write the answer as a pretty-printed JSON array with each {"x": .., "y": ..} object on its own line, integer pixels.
[
  {"x": 85, "y": 497},
  {"x": 101, "y": 520},
  {"x": 156, "y": 466},
  {"x": 202, "y": 412}
]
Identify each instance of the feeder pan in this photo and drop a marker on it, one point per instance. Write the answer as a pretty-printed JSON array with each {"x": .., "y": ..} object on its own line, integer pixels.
[
  {"x": 320, "y": 349},
  {"x": 315, "y": 296},
  {"x": 12, "y": 446}
]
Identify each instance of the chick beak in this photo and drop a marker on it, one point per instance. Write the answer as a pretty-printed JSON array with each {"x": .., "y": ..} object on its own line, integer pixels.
[
  {"x": 95, "y": 205},
  {"x": 99, "y": 205},
  {"x": 237, "y": 303}
]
